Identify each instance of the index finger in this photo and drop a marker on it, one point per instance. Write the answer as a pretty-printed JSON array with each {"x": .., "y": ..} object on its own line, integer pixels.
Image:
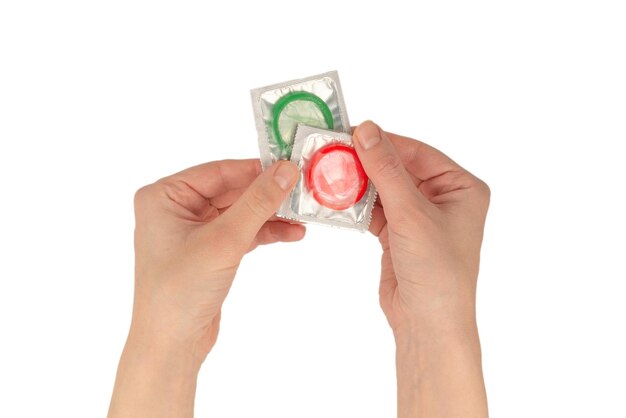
[
  {"x": 217, "y": 177},
  {"x": 421, "y": 160}
]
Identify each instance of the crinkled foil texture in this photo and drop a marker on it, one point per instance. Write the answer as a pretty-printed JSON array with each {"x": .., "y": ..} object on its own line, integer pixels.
[
  {"x": 302, "y": 206},
  {"x": 325, "y": 86}
]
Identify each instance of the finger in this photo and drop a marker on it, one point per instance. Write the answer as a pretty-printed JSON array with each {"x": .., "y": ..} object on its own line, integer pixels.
[
  {"x": 278, "y": 231},
  {"x": 224, "y": 200},
  {"x": 444, "y": 183},
  {"x": 421, "y": 160},
  {"x": 378, "y": 220},
  {"x": 217, "y": 177},
  {"x": 259, "y": 202},
  {"x": 384, "y": 167}
]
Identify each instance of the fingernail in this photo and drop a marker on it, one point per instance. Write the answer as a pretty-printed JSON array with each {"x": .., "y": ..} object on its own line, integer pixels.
[
  {"x": 368, "y": 135},
  {"x": 285, "y": 174}
]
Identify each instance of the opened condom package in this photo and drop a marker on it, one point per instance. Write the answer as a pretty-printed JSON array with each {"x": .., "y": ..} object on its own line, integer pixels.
[{"x": 306, "y": 121}]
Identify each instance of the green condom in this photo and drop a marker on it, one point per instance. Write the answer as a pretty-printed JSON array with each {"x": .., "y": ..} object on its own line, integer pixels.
[{"x": 298, "y": 107}]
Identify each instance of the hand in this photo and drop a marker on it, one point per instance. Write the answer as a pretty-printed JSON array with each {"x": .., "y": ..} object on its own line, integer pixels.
[
  {"x": 430, "y": 223},
  {"x": 192, "y": 230}
]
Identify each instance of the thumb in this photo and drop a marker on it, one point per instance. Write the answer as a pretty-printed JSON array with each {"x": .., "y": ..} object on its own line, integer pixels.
[
  {"x": 384, "y": 167},
  {"x": 260, "y": 201}
]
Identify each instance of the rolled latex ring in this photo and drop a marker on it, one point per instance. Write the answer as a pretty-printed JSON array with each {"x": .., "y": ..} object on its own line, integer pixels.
[
  {"x": 295, "y": 96},
  {"x": 336, "y": 177}
]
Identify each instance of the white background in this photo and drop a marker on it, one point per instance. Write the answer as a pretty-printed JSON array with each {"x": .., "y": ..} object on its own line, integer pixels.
[{"x": 99, "y": 98}]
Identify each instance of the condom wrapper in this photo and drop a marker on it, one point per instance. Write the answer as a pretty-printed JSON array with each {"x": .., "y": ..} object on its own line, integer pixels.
[
  {"x": 278, "y": 109},
  {"x": 333, "y": 188}
]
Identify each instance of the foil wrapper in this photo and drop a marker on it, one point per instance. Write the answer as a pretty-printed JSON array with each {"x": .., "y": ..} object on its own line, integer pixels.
[
  {"x": 278, "y": 109},
  {"x": 315, "y": 203}
]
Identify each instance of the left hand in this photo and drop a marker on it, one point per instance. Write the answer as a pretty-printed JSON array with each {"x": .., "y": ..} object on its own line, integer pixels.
[{"x": 192, "y": 230}]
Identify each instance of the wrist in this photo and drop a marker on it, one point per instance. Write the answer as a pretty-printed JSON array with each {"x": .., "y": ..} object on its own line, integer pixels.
[
  {"x": 439, "y": 371},
  {"x": 162, "y": 349},
  {"x": 418, "y": 345},
  {"x": 154, "y": 380},
  {"x": 436, "y": 319},
  {"x": 421, "y": 344},
  {"x": 160, "y": 341},
  {"x": 172, "y": 328}
]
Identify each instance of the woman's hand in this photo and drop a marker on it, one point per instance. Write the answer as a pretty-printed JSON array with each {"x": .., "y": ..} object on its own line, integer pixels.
[
  {"x": 192, "y": 229},
  {"x": 430, "y": 224}
]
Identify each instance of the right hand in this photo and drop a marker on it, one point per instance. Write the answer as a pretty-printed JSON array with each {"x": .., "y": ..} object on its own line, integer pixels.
[
  {"x": 430, "y": 225},
  {"x": 430, "y": 222}
]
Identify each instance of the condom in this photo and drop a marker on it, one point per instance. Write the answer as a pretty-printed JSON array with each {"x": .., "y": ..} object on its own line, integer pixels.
[
  {"x": 294, "y": 108},
  {"x": 315, "y": 101},
  {"x": 336, "y": 177},
  {"x": 333, "y": 188}
]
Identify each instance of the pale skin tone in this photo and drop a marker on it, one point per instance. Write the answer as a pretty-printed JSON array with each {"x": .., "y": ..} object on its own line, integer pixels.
[{"x": 194, "y": 227}]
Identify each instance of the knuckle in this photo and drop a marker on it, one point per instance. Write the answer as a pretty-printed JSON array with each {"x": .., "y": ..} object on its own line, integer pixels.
[
  {"x": 143, "y": 194},
  {"x": 484, "y": 190},
  {"x": 389, "y": 167},
  {"x": 176, "y": 191}
]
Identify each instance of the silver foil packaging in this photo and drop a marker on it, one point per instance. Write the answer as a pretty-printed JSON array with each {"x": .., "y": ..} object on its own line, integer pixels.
[
  {"x": 278, "y": 109},
  {"x": 333, "y": 188}
]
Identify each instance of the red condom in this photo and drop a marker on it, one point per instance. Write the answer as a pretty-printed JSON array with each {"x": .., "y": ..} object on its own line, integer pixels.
[{"x": 336, "y": 177}]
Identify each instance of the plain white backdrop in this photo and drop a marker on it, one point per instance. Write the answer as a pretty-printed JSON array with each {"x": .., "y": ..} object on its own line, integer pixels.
[{"x": 100, "y": 98}]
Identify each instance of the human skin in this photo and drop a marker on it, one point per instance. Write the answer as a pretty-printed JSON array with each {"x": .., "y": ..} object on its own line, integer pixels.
[
  {"x": 191, "y": 231},
  {"x": 429, "y": 221},
  {"x": 193, "y": 228}
]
